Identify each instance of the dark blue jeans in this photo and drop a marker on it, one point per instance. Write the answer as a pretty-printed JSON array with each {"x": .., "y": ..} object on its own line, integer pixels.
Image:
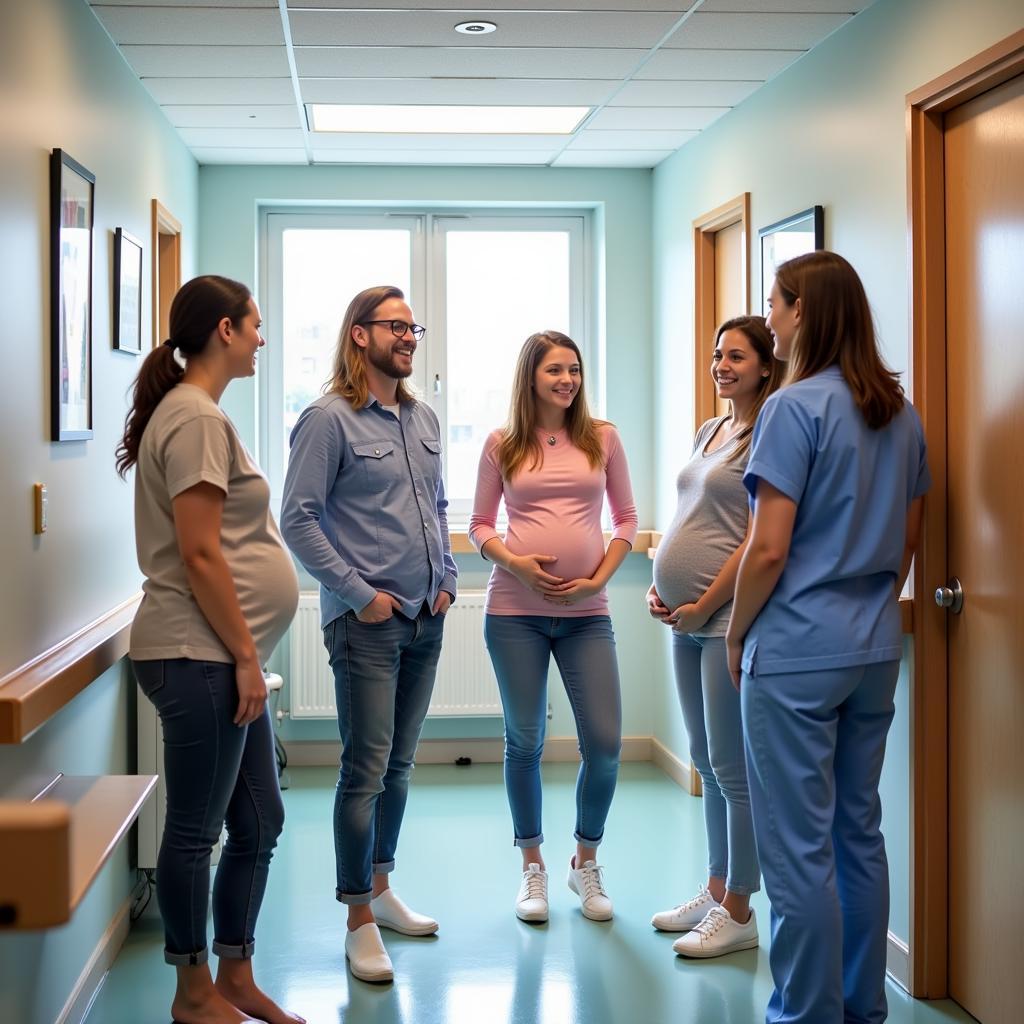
[
  {"x": 521, "y": 647},
  {"x": 215, "y": 774},
  {"x": 383, "y": 678}
]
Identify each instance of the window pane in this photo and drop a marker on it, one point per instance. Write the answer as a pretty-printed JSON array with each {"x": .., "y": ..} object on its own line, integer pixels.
[
  {"x": 502, "y": 286},
  {"x": 323, "y": 269}
]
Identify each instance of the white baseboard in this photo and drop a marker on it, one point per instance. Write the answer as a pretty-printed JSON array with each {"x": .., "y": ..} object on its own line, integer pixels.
[
  {"x": 94, "y": 972},
  {"x": 486, "y": 751},
  {"x": 678, "y": 771},
  {"x": 897, "y": 961}
]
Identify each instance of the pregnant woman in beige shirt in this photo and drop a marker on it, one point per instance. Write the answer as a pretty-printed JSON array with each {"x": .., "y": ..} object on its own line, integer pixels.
[
  {"x": 694, "y": 578},
  {"x": 220, "y": 591}
]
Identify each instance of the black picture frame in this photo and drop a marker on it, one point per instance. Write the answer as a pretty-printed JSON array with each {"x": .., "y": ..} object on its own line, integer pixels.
[
  {"x": 127, "y": 318},
  {"x": 72, "y": 215},
  {"x": 792, "y": 236}
]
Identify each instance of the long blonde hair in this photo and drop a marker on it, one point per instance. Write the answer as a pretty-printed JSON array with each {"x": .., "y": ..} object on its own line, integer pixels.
[
  {"x": 349, "y": 376},
  {"x": 519, "y": 437}
]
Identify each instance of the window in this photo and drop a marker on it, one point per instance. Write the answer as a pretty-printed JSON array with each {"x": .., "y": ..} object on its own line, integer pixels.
[{"x": 480, "y": 283}]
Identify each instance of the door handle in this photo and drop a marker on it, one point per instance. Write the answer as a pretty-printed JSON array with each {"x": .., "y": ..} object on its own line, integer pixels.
[{"x": 951, "y": 596}]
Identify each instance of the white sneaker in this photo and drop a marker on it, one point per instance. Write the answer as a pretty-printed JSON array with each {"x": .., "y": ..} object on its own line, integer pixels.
[
  {"x": 717, "y": 935},
  {"x": 587, "y": 884},
  {"x": 366, "y": 955},
  {"x": 532, "y": 901},
  {"x": 392, "y": 913},
  {"x": 687, "y": 915}
]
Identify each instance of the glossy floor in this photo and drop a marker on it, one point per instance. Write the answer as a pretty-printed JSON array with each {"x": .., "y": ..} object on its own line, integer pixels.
[{"x": 457, "y": 863}]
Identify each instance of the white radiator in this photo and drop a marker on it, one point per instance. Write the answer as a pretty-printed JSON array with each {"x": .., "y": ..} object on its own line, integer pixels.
[{"x": 465, "y": 679}]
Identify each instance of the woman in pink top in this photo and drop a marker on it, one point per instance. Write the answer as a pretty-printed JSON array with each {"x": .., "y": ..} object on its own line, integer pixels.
[{"x": 554, "y": 464}]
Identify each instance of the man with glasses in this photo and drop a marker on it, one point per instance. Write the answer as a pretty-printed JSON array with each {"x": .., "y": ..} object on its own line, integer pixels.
[{"x": 364, "y": 511}]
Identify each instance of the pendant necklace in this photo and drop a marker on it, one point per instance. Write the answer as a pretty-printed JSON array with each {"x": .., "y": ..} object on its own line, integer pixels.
[{"x": 551, "y": 440}]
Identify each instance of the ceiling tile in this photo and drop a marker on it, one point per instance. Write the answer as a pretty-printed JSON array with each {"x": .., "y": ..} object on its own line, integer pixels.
[
  {"x": 656, "y": 118},
  {"x": 424, "y": 157},
  {"x": 382, "y": 141},
  {"x": 597, "y": 139},
  {"x": 437, "y": 28},
  {"x": 728, "y": 65},
  {"x": 455, "y": 62},
  {"x": 206, "y": 61},
  {"x": 684, "y": 94},
  {"x": 482, "y": 7},
  {"x": 611, "y": 158},
  {"x": 232, "y": 116},
  {"x": 474, "y": 91},
  {"x": 239, "y": 155},
  {"x": 248, "y": 138},
  {"x": 787, "y": 6},
  {"x": 183, "y": 3},
  {"x": 220, "y": 90},
  {"x": 754, "y": 31},
  {"x": 169, "y": 26}
]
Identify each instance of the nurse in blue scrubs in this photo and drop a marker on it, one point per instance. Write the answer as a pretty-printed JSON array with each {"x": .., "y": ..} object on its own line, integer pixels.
[{"x": 837, "y": 474}]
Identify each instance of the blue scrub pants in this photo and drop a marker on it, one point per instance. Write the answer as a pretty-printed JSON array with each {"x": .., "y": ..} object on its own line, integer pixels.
[{"x": 815, "y": 743}]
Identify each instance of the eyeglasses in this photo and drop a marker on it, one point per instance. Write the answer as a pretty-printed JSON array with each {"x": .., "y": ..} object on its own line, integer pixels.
[{"x": 399, "y": 327}]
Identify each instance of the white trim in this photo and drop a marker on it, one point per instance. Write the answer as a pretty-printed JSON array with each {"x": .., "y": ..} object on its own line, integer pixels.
[
  {"x": 95, "y": 971},
  {"x": 897, "y": 961},
  {"x": 678, "y": 771}
]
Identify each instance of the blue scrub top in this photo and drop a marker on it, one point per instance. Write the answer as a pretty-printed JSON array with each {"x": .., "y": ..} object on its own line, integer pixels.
[{"x": 835, "y": 604}]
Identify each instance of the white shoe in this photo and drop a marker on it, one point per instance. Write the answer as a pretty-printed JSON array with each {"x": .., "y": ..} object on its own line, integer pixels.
[
  {"x": 687, "y": 915},
  {"x": 587, "y": 884},
  {"x": 717, "y": 935},
  {"x": 392, "y": 913},
  {"x": 532, "y": 901},
  {"x": 366, "y": 955}
]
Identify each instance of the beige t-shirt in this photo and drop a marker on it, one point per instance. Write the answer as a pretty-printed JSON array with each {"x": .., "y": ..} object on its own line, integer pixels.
[{"x": 189, "y": 440}]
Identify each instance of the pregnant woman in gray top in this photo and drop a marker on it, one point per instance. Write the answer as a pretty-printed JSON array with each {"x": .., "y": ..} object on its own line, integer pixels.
[{"x": 694, "y": 578}]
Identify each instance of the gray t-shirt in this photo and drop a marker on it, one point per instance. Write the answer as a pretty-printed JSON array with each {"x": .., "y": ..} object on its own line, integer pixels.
[
  {"x": 189, "y": 440},
  {"x": 709, "y": 525}
]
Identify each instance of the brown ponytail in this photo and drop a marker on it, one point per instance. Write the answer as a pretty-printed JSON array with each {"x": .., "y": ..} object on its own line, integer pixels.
[{"x": 197, "y": 309}]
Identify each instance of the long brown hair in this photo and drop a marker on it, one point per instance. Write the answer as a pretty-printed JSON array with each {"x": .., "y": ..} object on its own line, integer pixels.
[
  {"x": 836, "y": 328},
  {"x": 519, "y": 437},
  {"x": 754, "y": 330},
  {"x": 349, "y": 376},
  {"x": 196, "y": 310}
]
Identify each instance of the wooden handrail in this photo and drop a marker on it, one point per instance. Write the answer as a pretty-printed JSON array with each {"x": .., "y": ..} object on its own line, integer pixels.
[{"x": 33, "y": 693}]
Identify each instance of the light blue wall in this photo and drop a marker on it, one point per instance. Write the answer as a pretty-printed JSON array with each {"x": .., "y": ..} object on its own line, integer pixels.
[
  {"x": 230, "y": 198},
  {"x": 64, "y": 84},
  {"x": 830, "y": 130}
]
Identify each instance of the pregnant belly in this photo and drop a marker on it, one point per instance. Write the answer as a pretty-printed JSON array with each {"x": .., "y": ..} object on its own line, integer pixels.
[{"x": 578, "y": 553}]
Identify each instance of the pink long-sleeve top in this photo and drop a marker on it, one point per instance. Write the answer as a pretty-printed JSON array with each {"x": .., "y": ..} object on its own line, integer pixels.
[{"x": 554, "y": 509}]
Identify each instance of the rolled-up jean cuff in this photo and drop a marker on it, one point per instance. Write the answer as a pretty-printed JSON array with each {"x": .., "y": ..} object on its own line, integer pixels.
[
  {"x": 584, "y": 841},
  {"x": 716, "y": 871},
  {"x": 384, "y": 868},
  {"x": 243, "y": 952},
  {"x": 187, "y": 959},
  {"x": 528, "y": 844},
  {"x": 742, "y": 890},
  {"x": 353, "y": 899}
]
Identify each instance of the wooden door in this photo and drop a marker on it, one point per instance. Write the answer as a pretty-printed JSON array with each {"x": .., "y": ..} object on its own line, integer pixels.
[
  {"x": 984, "y": 210},
  {"x": 730, "y": 284}
]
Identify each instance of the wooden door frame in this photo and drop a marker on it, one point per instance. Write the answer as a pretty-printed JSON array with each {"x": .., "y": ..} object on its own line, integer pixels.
[
  {"x": 164, "y": 224},
  {"x": 736, "y": 211},
  {"x": 929, "y": 802}
]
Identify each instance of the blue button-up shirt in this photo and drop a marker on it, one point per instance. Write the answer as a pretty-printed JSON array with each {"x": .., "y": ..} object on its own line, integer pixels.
[{"x": 364, "y": 506}]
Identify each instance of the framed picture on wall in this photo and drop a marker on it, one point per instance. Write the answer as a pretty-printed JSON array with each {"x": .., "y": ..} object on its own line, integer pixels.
[
  {"x": 127, "y": 292},
  {"x": 781, "y": 241},
  {"x": 72, "y": 201}
]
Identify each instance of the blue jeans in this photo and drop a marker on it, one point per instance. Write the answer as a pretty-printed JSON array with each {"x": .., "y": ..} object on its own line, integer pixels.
[
  {"x": 584, "y": 648},
  {"x": 815, "y": 745},
  {"x": 383, "y": 679},
  {"x": 711, "y": 713},
  {"x": 215, "y": 774}
]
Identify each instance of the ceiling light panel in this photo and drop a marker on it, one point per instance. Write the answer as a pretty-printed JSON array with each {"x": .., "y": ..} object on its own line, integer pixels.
[
  {"x": 497, "y": 92},
  {"x": 479, "y": 120},
  {"x": 436, "y": 28},
  {"x": 433, "y": 157}
]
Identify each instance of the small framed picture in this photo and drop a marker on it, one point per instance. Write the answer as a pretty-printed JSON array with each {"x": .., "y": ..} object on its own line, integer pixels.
[
  {"x": 781, "y": 241},
  {"x": 72, "y": 202},
  {"x": 127, "y": 292}
]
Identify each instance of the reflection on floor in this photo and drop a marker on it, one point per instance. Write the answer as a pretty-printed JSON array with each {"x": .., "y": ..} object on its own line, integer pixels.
[{"x": 456, "y": 862}]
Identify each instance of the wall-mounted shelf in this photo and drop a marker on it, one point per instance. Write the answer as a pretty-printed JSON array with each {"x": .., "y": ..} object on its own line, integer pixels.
[{"x": 54, "y": 841}]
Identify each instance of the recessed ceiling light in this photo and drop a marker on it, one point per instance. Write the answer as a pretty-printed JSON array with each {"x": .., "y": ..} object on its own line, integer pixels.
[
  {"x": 424, "y": 119},
  {"x": 476, "y": 28}
]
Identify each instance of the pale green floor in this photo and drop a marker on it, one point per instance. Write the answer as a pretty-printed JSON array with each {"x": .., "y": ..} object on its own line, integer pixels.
[{"x": 457, "y": 863}]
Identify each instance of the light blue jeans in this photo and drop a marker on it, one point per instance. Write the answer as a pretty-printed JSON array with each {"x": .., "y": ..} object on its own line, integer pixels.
[
  {"x": 383, "y": 678},
  {"x": 711, "y": 713},
  {"x": 815, "y": 745},
  {"x": 521, "y": 647}
]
